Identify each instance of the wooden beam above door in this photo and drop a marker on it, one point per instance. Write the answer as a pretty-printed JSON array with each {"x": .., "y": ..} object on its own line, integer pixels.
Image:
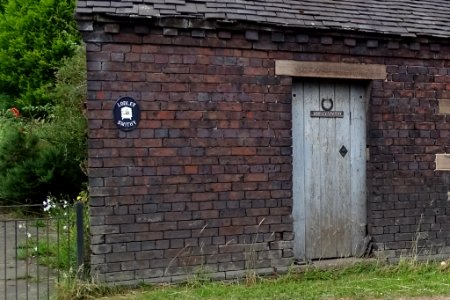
[{"x": 330, "y": 70}]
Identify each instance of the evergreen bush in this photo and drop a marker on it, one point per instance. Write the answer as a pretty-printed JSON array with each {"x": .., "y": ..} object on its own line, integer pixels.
[{"x": 19, "y": 156}]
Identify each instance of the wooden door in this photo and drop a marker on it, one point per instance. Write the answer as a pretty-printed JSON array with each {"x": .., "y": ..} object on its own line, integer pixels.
[{"x": 329, "y": 176}]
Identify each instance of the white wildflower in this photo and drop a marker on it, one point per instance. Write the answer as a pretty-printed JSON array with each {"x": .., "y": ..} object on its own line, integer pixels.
[
  {"x": 49, "y": 204},
  {"x": 28, "y": 234}
]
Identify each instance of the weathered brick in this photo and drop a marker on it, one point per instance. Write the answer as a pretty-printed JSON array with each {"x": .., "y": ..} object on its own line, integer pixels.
[{"x": 212, "y": 156}]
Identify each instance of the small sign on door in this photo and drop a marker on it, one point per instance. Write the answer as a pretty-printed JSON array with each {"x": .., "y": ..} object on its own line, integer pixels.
[
  {"x": 327, "y": 114},
  {"x": 327, "y": 105}
]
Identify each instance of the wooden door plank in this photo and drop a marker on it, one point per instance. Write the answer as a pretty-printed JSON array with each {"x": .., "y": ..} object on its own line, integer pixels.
[
  {"x": 312, "y": 160},
  {"x": 329, "y": 191},
  {"x": 358, "y": 100},
  {"x": 342, "y": 175},
  {"x": 298, "y": 176},
  {"x": 327, "y": 178}
]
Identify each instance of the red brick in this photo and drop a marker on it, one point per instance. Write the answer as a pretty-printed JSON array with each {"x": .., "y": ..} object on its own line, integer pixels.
[
  {"x": 230, "y": 177},
  {"x": 206, "y": 214},
  {"x": 148, "y": 236},
  {"x": 189, "y": 115},
  {"x": 243, "y": 221},
  {"x": 175, "y": 124},
  {"x": 153, "y": 143},
  {"x": 163, "y": 226},
  {"x": 257, "y": 195},
  {"x": 177, "y": 216},
  {"x": 163, "y": 152},
  {"x": 243, "y": 151},
  {"x": 133, "y": 152},
  {"x": 150, "y": 124},
  {"x": 219, "y": 187},
  {"x": 255, "y": 71},
  {"x": 178, "y": 234},
  {"x": 256, "y": 177},
  {"x": 257, "y": 211},
  {"x": 204, "y": 196},
  {"x": 161, "y": 115},
  {"x": 191, "y": 169},
  {"x": 177, "y": 179},
  {"x": 231, "y": 230}
]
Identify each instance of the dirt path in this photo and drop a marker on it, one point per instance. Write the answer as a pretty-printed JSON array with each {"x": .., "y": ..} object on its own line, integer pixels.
[{"x": 21, "y": 278}]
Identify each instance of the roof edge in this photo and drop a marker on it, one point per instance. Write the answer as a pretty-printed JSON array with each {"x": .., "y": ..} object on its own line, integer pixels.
[{"x": 193, "y": 22}]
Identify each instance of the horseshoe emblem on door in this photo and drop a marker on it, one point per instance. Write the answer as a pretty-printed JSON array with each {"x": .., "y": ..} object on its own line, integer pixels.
[{"x": 327, "y": 104}]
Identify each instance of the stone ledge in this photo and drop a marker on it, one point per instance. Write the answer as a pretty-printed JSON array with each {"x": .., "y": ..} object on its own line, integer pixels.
[
  {"x": 444, "y": 106},
  {"x": 443, "y": 162}
]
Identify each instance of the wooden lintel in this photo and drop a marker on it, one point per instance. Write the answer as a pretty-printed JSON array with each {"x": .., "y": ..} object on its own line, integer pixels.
[
  {"x": 443, "y": 162},
  {"x": 330, "y": 70}
]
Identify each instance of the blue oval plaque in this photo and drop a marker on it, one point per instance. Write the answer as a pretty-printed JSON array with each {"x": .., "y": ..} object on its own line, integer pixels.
[{"x": 126, "y": 113}]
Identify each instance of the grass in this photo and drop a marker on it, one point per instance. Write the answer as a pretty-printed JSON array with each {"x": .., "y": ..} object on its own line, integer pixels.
[
  {"x": 55, "y": 247},
  {"x": 52, "y": 240},
  {"x": 367, "y": 280},
  {"x": 70, "y": 288}
]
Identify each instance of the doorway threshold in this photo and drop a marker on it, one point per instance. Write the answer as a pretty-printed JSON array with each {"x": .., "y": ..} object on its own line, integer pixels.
[{"x": 333, "y": 262}]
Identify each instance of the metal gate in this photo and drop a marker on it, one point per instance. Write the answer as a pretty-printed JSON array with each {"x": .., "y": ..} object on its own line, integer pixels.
[{"x": 36, "y": 250}]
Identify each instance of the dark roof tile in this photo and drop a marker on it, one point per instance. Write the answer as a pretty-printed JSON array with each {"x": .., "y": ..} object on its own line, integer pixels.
[
  {"x": 190, "y": 8},
  {"x": 214, "y": 15},
  {"x": 127, "y": 10},
  {"x": 235, "y": 16},
  {"x": 398, "y": 17},
  {"x": 84, "y": 10},
  {"x": 164, "y": 6},
  {"x": 121, "y": 4},
  {"x": 96, "y": 4},
  {"x": 146, "y": 10},
  {"x": 101, "y": 9}
]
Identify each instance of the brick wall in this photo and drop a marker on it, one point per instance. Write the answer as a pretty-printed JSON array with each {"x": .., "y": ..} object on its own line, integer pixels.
[
  {"x": 408, "y": 202},
  {"x": 206, "y": 179}
]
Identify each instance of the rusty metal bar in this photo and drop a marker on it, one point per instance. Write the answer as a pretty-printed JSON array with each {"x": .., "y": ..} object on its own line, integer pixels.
[
  {"x": 27, "y": 262},
  {"x": 80, "y": 238},
  {"x": 16, "y": 259},
  {"x": 4, "y": 262}
]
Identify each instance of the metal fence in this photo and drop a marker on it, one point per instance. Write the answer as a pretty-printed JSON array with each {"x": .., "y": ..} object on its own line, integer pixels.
[{"x": 37, "y": 250}]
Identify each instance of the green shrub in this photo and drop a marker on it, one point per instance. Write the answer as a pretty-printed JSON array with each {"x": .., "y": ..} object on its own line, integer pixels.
[
  {"x": 35, "y": 36},
  {"x": 42, "y": 73},
  {"x": 41, "y": 157},
  {"x": 33, "y": 168},
  {"x": 67, "y": 127},
  {"x": 2, "y": 5},
  {"x": 19, "y": 158}
]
